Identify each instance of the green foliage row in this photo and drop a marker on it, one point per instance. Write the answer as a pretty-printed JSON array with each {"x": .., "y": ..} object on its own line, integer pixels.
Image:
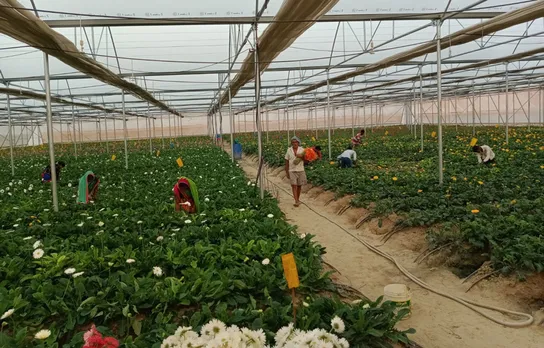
[
  {"x": 211, "y": 263},
  {"x": 494, "y": 210}
]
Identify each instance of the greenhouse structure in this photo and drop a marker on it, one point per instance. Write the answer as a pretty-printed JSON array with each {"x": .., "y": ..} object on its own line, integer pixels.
[{"x": 126, "y": 79}]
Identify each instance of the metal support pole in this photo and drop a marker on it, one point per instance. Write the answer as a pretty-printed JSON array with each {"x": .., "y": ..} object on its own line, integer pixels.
[
  {"x": 258, "y": 100},
  {"x": 267, "y": 125},
  {"x": 149, "y": 130},
  {"x": 125, "y": 129},
  {"x": 352, "y": 114},
  {"x": 329, "y": 115},
  {"x": 231, "y": 115},
  {"x": 473, "y": 113},
  {"x": 421, "y": 108},
  {"x": 10, "y": 137},
  {"x": 316, "y": 124},
  {"x": 162, "y": 131},
  {"x": 540, "y": 108},
  {"x": 50, "y": 140},
  {"x": 170, "y": 127},
  {"x": 106, "y": 134},
  {"x": 138, "y": 128},
  {"x": 506, "y": 92},
  {"x": 439, "y": 111},
  {"x": 74, "y": 130},
  {"x": 529, "y": 105}
]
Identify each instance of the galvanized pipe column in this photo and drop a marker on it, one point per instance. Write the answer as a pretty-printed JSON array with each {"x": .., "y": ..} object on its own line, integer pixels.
[
  {"x": 258, "y": 99},
  {"x": 125, "y": 130},
  {"x": 329, "y": 115},
  {"x": 231, "y": 115},
  {"x": 438, "y": 24},
  {"x": 10, "y": 136},
  {"x": 507, "y": 106},
  {"x": 50, "y": 141},
  {"x": 74, "y": 129}
]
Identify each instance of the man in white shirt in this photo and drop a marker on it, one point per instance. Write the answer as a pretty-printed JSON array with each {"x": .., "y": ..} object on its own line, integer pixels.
[
  {"x": 485, "y": 154},
  {"x": 348, "y": 158},
  {"x": 294, "y": 168}
]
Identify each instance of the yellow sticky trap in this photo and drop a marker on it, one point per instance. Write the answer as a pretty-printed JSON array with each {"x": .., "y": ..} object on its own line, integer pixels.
[
  {"x": 290, "y": 270},
  {"x": 473, "y": 141},
  {"x": 313, "y": 138},
  {"x": 433, "y": 134},
  {"x": 113, "y": 157},
  {"x": 180, "y": 162},
  {"x": 158, "y": 153}
]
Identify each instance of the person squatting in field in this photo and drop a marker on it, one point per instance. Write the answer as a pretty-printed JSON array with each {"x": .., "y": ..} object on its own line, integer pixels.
[
  {"x": 348, "y": 158},
  {"x": 485, "y": 154}
]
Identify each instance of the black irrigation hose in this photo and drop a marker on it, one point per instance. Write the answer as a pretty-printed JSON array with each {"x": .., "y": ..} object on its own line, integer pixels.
[{"x": 467, "y": 303}]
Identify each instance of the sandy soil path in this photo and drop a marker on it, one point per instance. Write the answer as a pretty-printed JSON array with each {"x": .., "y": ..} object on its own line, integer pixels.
[{"x": 439, "y": 322}]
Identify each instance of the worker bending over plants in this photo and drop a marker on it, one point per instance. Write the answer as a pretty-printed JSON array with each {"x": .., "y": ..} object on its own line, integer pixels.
[
  {"x": 46, "y": 173},
  {"x": 348, "y": 158},
  {"x": 312, "y": 154},
  {"x": 485, "y": 154}
]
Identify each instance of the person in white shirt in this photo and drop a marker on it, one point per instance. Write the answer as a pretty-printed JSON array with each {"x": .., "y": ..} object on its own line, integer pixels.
[
  {"x": 348, "y": 158},
  {"x": 294, "y": 168},
  {"x": 485, "y": 154}
]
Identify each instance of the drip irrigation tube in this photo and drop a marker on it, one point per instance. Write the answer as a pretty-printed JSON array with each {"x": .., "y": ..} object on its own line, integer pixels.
[{"x": 467, "y": 303}]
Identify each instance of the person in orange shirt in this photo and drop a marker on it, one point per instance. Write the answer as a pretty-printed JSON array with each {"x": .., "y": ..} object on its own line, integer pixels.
[{"x": 312, "y": 154}]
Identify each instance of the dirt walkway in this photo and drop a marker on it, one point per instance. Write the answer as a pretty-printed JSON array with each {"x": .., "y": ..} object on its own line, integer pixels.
[{"x": 439, "y": 322}]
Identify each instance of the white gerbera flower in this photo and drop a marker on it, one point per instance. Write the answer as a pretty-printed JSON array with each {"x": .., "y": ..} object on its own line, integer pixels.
[
  {"x": 38, "y": 254},
  {"x": 75, "y": 275},
  {"x": 80, "y": 224},
  {"x": 42, "y": 334},
  {"x": 69, "y": 271},
  {"x": 306, "y": 304},
  {"x": 343, "y": 343},
  {"x": 270, "y": 216},
  {"x": 7, "y": 314},
  {"x": 212, "y": 329},
  {"x": 366, "y": 306},
  {"x": 242, "y": 209},
  {"x": 100, "y": 223},
  {"x": 302, "y": 236},
  {"x": 266, "y": 262},
  {"x": 115, "y": 215},
  {"x": 27, "y": 238},
  {"x": 157, "y": 271},
  {"x": 338, "y": 324},
  {"x": 140, "y": 222},
  {"x": 188, "y": 221},
  {"x": 69, "y": 184},
  {"x": 160, "y": 238},
  {"x": 253, "y": 338},
  {"x": 249, "y": 183},
  {"x": 16, "y": 225},
  {"x": 130, "y": 261},
  {"x": 206, "y": 199}
]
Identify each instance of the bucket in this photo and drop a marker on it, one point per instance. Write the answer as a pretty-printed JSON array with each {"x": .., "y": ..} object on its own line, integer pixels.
[
  {"x": 237, "y": 149},
  {"x": 400, "y": 294}
]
